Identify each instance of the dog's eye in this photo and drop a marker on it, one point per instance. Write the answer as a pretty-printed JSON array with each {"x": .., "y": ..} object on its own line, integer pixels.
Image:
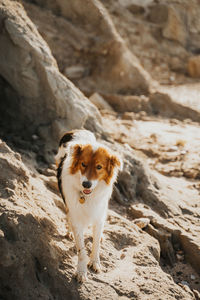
[
  {"x": 83, "y": 165},
  {"x": 99, "y": 167}
]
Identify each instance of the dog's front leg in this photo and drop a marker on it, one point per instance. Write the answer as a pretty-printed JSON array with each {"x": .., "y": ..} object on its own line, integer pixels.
[
  {"x": 69, "y": 233},
  {"x": 81, "y": 273},
  {"x": 94, "y": 257}
]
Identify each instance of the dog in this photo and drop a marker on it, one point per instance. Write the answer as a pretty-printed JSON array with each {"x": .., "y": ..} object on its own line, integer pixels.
[{"x": 86, "y": 172}]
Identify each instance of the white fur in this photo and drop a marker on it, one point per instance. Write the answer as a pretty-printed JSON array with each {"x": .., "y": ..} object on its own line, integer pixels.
[
  {"x": 83, "y": 136},
  {"x": 92, "y": 212}
]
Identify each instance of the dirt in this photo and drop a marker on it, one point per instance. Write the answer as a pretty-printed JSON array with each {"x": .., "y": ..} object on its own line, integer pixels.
[
  {"x": 163, "y": 145},
  {"x": 169, "y": 148}
]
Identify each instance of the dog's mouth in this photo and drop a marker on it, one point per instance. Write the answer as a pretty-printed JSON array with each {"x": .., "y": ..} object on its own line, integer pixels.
[{"x": 87, "y": 191}]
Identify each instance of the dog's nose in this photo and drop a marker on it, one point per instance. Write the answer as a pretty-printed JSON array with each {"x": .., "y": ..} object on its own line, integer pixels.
[{"x": 87, "y": 184}]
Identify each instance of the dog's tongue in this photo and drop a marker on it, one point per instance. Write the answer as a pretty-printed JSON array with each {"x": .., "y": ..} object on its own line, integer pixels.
[{"x": 87, "y": 191}]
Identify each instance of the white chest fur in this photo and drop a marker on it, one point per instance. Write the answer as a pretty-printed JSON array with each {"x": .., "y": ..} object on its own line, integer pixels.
[{"x": 95, "y": 205}]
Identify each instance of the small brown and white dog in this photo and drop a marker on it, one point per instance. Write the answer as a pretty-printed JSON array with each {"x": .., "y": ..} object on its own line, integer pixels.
[{"x": 86, "y": 173}]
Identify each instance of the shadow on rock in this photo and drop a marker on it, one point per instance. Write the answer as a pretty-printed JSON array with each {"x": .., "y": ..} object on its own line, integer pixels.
[{"x": 31, "y": 266}]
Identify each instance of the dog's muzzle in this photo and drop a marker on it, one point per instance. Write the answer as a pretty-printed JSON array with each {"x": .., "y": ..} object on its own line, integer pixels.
[{"x": 87, "y": 185}]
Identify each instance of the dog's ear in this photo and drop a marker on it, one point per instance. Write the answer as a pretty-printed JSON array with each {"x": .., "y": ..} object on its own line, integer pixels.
[
  {"x": 76, "y": 151},
  {"x": 114, "y": 162},
  {"x": 118, "y": 162}
]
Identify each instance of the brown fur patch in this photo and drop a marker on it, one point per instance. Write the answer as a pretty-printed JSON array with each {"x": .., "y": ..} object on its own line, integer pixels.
[
  {"x": 112, "y": 163},
  {"x": 81, "y": 154},
  {"x": 97, "y": 164}
]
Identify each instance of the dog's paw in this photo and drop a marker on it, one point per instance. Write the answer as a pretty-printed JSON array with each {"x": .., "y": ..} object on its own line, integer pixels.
[
  {"x": 81, "y": 276},
  {"x": 94, "y": 265}
]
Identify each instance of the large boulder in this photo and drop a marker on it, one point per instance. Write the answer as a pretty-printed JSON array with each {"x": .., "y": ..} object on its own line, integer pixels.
[
  {"x": 194, "y": 66},
  {"x": 35, "y": 96},
  {"x": 109, "y": 65},
  {"x": 181, "y": 101},
  {"x": 174, "y": 28}
]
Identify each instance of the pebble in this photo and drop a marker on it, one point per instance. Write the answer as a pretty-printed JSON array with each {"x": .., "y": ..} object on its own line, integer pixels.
[
  {"x": 122, "y": 256},
  {"x": 35, "y": 137},
  {"x": 179, "y": 257},
  {"x": 173, "y": 148},
  {"x": 128, "y": 116},
  {"x": 10, "y": 192},
  {"x": 47, "y": 172},
  {"x": 142, "y": 222},
  {"x": 185, "y": 283},
  {"x": 183, "y": 152},
  {"x": 192, "y": 277},
  {"x": 75, "y": 72},
  {"x": 18, "y": 156},
  {"x": 1, "y": 234}
]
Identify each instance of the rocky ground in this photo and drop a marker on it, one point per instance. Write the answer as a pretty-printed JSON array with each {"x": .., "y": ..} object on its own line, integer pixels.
[{"x": 151, "y": 248}]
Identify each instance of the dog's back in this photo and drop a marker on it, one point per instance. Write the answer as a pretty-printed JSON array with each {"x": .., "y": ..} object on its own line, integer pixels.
[{"x": 79, "y": 136}]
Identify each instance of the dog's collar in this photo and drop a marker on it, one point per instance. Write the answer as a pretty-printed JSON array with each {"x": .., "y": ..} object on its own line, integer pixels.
[{"x": 82, "y": 198}]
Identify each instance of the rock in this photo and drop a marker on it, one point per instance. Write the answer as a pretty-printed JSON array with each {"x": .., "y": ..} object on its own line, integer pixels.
[
  {"x": 158, "y": 13},
  {"x": 12, "y": 170},
  {"x": 180, "y": 257},
  {"x": 35, "y": 137},
  {"x": 113, "y": 67},
  {"x": 162, "y": 201},
  {"x": 165, "y": 240},
  {"x": 128, "y": 116},
  {"x": 52, "y": 97},
  {"x": 175, "y": 28},
  {"x": 181, "y": 101},
  {"x": 196, "y": 294},
  {"x": 74, "y": 72},
  {"x": 185, "y": 283},
  {"x": 1, "y": 234},
  {"x": 47, "y": 172},
  {"x": 190, "y": 166},
  {"x": 142, "y": 222},
  {"x": 176, "y": 64},
  {"x": 141, "y": 3},
  {"x": 194, "y": 66},
  {"x": 52, "y": 183},
  {"x": 192, "y": 277},
  {"x": 191, "y": 248},
  {"x": 99, "y": 102},
  {"x": 38, "y": 257},
  {"x": 173, "y": 148},
  {"x": 123, "y": 103},
  {"x": 136, "y": 9}
]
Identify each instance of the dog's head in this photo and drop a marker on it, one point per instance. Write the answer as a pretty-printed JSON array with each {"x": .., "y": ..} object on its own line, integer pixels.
[{"x": 94, "y": 166}]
